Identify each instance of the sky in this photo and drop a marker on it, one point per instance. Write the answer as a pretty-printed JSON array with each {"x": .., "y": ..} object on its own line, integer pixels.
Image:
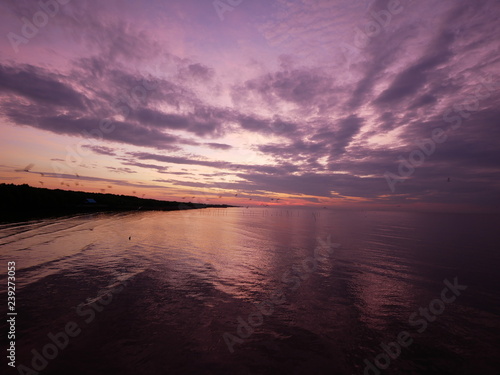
[{"x": 381, "y": 104}]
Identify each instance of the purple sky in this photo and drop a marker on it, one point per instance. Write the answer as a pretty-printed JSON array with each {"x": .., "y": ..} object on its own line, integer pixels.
[{"x": 316, "y": 102}]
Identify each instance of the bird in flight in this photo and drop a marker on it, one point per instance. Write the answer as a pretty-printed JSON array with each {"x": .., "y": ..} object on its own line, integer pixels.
[
  {"x": 448, "y": 179},
  {"x": 41, "y": 182},
  {"x": 26, "y": 169}
]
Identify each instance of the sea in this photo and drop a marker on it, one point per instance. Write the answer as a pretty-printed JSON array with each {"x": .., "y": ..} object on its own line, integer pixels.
[{"x": 251, "y": 291}]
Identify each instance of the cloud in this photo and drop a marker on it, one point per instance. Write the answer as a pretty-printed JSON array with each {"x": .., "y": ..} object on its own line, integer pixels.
[
  {"x": 308, "y": 88},
  {"x": 281, "y": 169},
  {"x": 197, "y": 72},
  {"x": 124, "y": 132},
  {"x": 203, "y": 121},
  {"x": 102, "y": 150},
  {"x": 219, "y": 146},
  {"x": 179, "y": 160},
  {"x": 121, "y": 170},
  {"x": 40, "y": 86},
  {"x": 157, "y": 168},
  {"x": 412, "y": 78},
  {"x": 274, "y": 126}
]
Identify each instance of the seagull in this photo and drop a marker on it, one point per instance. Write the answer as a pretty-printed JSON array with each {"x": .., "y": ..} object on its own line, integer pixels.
[
  {"x": 41, "y": 174},
  {"x": 76, "y": 174},
  {"x": 26, "y": 169},
  {"x": 448, "y": 179},
  {"x": 41, "y": 182}
]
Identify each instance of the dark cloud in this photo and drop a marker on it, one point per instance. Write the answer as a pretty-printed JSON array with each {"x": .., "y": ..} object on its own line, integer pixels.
[
  {"x": 219, "y": 146},
  {"x": 202, "y": 121},
  {"x": 157, "y": 168},
  {"x": 40, "y": 86},
  {"x": 102, "y": 150},
  {"x": 197, "y": 72},
  {"x": 123, "y": 132},
  {"x": 409, "y": 81},
  {"x": 178, "y": 160},
  {"x": 345, "y": 130},
  {"x": 274, "y": 126},
  {"x": 306, "y": 87},
  {"x": 281, "y": 169},
  {"x": 327, "y": 141},
  {"x": 120, "y": 170}
]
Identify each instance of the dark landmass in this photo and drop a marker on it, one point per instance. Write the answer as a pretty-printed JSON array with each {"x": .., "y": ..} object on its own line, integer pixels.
[{"x": 23, "y": 202}]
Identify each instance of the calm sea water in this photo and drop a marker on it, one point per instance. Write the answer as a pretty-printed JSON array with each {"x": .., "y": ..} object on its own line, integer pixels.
[{"x": 250, "y": 291}]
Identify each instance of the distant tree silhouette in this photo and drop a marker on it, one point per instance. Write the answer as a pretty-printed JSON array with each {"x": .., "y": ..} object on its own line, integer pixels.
[{"x": 24, "y": 201}]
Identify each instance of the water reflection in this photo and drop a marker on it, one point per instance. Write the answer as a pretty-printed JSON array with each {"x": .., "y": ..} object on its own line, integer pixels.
[{"x": 194, "y": 273}]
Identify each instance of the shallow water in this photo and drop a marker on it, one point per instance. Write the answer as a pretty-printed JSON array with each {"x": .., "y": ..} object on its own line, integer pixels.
[{"x": 180, "y": 296}]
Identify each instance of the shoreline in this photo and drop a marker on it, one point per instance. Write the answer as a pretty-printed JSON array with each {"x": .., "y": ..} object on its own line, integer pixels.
[{"x": 23, "y": 202}]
